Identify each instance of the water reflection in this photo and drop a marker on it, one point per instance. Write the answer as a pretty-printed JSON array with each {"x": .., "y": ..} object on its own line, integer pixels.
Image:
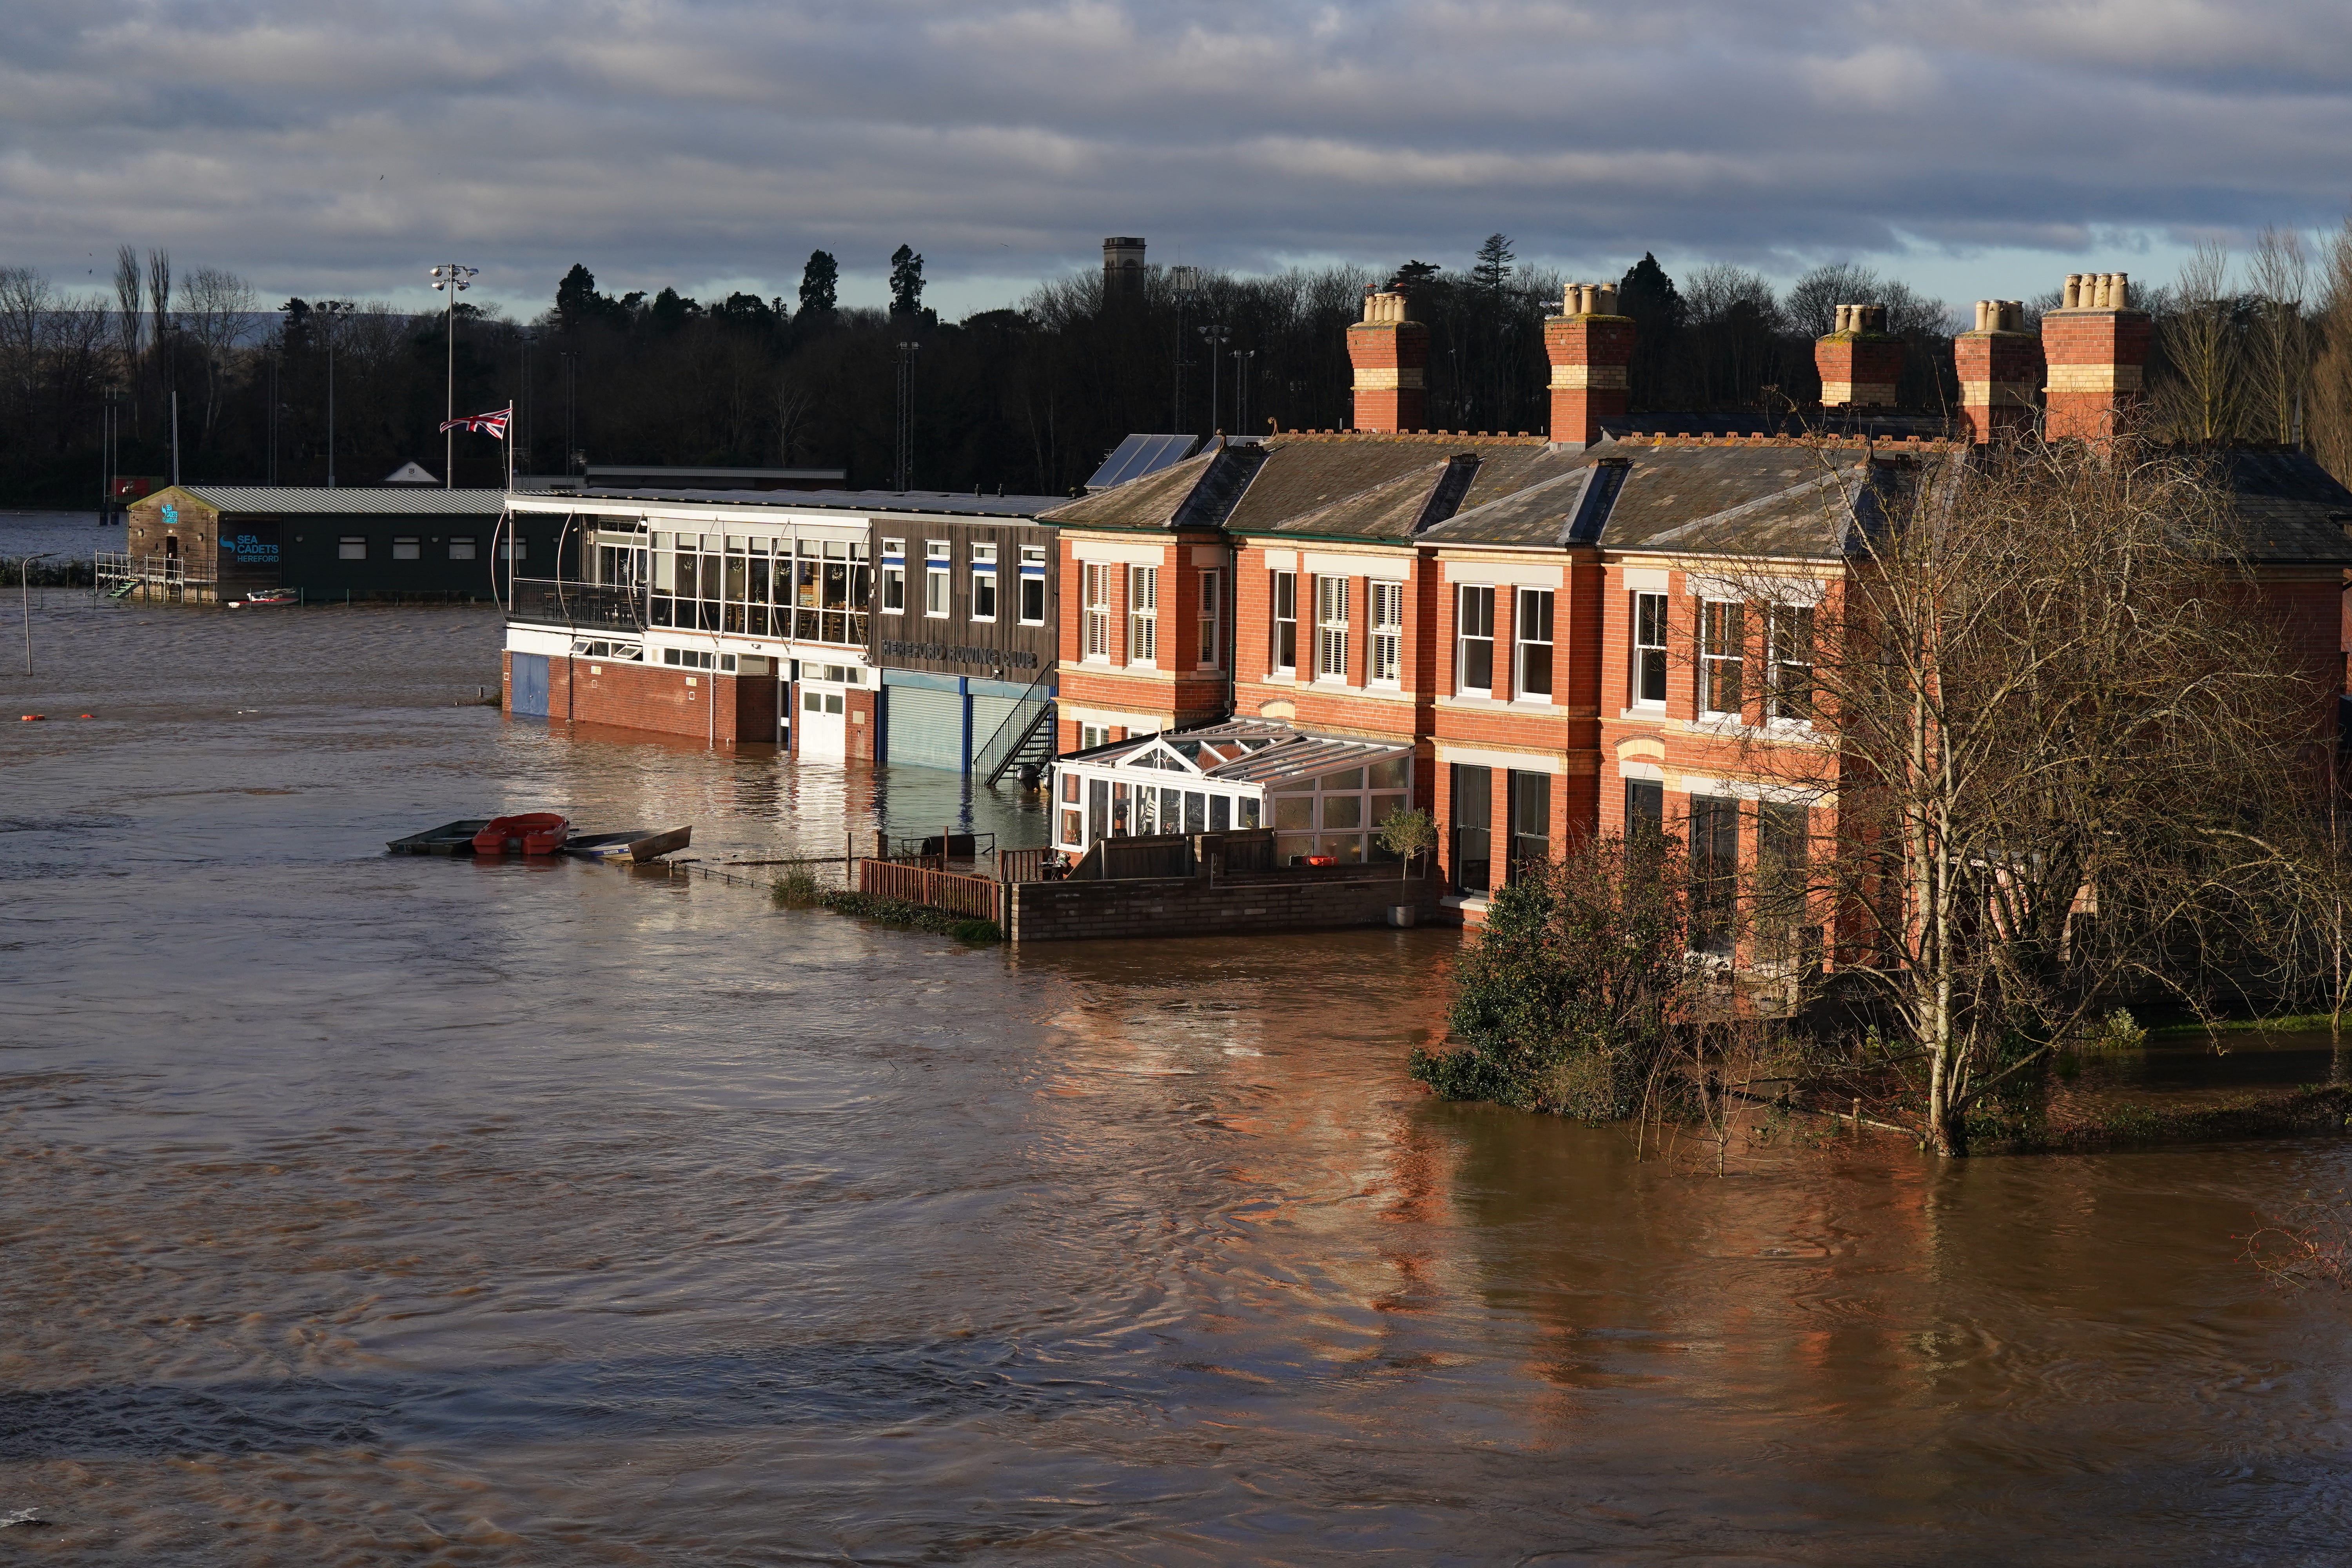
[{"x": 364, "y": 1209}]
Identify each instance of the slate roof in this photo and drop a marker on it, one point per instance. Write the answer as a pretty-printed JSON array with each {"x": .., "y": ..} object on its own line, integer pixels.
[
  {"x": 1794, "y": 499},
  {"x": 1198, "y": 492},
  {"x": 2295, "y": 510}
]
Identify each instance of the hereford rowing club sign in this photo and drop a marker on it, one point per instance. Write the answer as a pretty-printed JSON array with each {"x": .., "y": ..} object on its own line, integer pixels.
[{"x": 944, "y": 653}]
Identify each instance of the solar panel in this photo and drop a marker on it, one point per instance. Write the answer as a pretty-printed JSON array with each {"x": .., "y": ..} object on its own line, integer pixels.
[{"x": 1140, "y": 455}]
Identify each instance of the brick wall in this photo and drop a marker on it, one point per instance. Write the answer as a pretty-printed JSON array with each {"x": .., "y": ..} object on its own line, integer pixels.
[
  {"x": 656, "y": 697},
  {"x": 1589, "y": 356},
  {"x": 2000, "y": 377},
  {"x": 1194, "y": 906},
  {"x": 2095, "y": 361},
  {"x": 1390, "y": 360},
  {"x": 1858, "y": 369}
]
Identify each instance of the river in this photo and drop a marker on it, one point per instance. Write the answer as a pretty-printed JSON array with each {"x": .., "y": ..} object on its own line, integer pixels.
[{"x": 356, "y": 1209}]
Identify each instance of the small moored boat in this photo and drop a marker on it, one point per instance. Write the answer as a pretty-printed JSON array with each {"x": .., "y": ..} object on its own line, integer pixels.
[
  {"x": 530, "y": 833},
  {"x": 635, "y": 844},
  {"x": 265, "y": 598}
]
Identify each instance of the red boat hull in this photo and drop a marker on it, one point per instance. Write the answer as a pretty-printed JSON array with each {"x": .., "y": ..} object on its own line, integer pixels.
[{"x": 532, "y": 833}]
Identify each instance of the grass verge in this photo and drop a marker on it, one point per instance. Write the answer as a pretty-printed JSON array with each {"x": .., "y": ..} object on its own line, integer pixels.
[{"x": 2315, "y": 1108}]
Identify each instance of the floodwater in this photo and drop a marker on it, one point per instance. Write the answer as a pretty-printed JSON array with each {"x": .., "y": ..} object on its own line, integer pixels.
[{"x": 362, "y": 1210}]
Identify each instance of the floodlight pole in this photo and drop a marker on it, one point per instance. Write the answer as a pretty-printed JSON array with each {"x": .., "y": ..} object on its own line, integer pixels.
[
  {"x": 453, "y": 279},
  {"x": 1216, "y": 337}
]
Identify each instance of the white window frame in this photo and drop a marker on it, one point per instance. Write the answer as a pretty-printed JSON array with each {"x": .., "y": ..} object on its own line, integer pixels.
[
  {"x": 939, "y": 580},
  {"x": 1212, "y": 617},
  {"x": 1386, "y": 669},
  {"x": 1331, "y": 630},
  {"x": 1283, "y": 593},
  {"x": 1652, "y": 606},
  {"x": 1143, "y": 616},
  {"x": 1780, "y": 647},
  {"x": 1463, "y": 639},
  {"x": 1034, "y": 567},
  {"x": 1523, "y": 602},
  {"x": 1096, "y": 614},
  {"x": 894, "y": 573},
  {"x": 1721, "y": 621},
  {"x": 344, "y": 547},
  {"x": 412, "y": 544},
  {"x": 983, "y": 581}
]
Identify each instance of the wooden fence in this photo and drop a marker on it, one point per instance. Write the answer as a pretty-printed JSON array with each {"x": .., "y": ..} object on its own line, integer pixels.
[
  {"x": 974, "y": 896},
  {"x": 1021, "y": 865}
]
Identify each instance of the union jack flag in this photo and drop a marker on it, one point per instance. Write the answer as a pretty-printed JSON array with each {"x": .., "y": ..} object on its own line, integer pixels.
[{"x": 483, "y": 424}]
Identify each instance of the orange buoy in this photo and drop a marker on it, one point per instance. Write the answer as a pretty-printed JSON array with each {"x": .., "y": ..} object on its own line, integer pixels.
[
  {"x": 29, "y": 717},
  {"x": 89, "y": 715}
]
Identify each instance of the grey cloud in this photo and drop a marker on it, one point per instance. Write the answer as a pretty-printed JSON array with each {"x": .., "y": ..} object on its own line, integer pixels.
[{"x": 341, "y": 145}]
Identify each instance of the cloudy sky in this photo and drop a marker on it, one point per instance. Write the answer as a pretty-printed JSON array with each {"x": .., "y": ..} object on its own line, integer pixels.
[{"x": 1975, "y": 147}]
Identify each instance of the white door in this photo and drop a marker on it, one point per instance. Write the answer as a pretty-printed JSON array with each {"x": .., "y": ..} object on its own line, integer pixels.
[{"x": 823, "y": 730}]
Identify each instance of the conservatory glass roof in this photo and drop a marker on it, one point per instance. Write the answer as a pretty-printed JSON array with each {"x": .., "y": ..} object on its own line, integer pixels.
[{"x": 1243, "y": 751}]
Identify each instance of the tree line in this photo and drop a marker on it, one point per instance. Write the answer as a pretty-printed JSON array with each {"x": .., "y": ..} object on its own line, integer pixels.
[{"x": 1027, "y": 397}]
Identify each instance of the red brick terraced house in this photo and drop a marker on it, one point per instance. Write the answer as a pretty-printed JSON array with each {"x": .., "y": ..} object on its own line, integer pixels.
[{"x": 1566, "y": 628}]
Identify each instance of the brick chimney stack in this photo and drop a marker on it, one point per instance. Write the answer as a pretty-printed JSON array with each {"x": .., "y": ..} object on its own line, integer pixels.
[
  {"x": 1391, "y": 356},
  {"x": 2096, "y": 348},
  {"x": 2000, "y": 367},
  {"x": 1590, "y": 345},
  {"x": 1859, "y": 361}
]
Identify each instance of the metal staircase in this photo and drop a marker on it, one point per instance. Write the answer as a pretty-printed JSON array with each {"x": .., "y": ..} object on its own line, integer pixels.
[{"x": 1026, "y": 736}]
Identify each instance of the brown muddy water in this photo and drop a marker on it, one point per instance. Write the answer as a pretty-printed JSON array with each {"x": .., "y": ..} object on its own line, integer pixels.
[{"x": 363, "y": 1210}]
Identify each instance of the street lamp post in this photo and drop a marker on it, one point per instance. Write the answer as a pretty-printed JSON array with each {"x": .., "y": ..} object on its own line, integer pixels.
[
  {"x": 452, "y": 278},
  {"x": 24, "y": 591}
]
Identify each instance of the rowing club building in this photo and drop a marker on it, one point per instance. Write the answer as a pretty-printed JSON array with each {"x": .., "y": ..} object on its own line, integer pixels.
[{"x": 849, "y": 627}]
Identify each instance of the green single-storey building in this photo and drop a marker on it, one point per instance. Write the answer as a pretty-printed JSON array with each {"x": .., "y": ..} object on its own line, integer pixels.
[{"x": 217, "y": 543}]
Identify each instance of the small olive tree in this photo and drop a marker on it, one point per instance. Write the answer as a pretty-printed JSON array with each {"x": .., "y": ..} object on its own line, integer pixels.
[{"x": 1408, "y": 836}]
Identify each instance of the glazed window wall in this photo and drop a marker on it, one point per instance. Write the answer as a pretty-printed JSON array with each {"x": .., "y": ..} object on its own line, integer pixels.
[
  {"x": 1093, "y": 807},
  {"x": 1341, "y": 818},
  {"x": 810, "y": 590}
]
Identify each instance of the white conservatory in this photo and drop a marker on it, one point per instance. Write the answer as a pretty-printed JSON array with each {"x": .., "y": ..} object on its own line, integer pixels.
[{"x": 1322, "y": 795}]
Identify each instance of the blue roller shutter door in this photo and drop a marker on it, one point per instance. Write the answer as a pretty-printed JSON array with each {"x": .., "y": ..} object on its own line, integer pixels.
[{"x": 926, "y": 727}]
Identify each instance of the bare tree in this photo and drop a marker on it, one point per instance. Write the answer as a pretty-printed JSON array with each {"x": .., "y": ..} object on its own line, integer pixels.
[
  {"x": 2051, "y": 732},
  {"x": 220, "y": 307},
  {"x": 2202, "y": 399},
  {"x": 158, "y": 292},
  {"x": 2281, "y": 357},
  {"x": 2330, "y": 427}
]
